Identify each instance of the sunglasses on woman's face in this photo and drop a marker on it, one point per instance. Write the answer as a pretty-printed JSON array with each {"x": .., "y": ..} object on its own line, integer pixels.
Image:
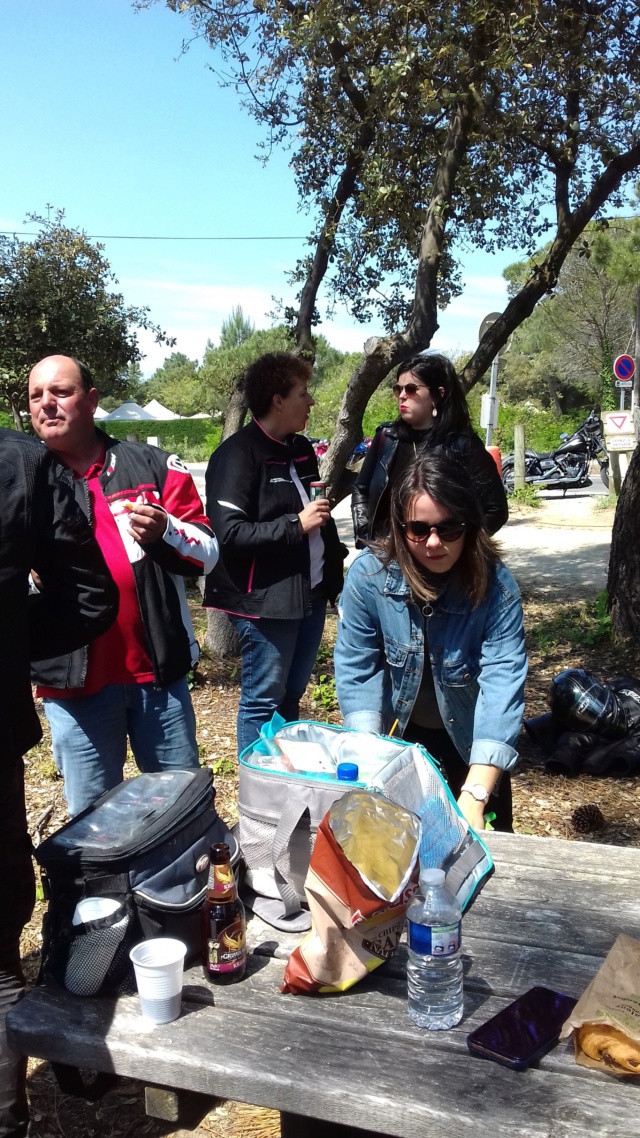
[
  {"x": 409, "y": 388},
  {"x": 451, "y": 530}
]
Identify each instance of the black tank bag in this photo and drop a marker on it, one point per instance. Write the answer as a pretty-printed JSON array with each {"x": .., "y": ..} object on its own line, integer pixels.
[{"x": 143, "y": 845}]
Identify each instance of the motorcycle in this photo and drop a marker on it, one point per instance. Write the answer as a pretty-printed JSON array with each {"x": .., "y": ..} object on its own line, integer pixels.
[{"x": 566, "y": 467}]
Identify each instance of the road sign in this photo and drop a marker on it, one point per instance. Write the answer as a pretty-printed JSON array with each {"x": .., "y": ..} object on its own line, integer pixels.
[
  {"x": 621, "y": 442},
  {"x": 624, "y": 367},
  {"x": 618, "y": 423},
  {"x": 625, "y": 383},
  {"x": 488, "y": 321}
]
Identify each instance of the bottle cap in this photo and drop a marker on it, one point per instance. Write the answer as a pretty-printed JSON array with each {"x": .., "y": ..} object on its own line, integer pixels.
[
  {"x": 432, "y": 876},
  {"x": 347, "y": 772}
]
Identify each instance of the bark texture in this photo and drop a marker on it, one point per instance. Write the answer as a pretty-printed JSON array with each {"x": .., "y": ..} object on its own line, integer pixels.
[{"x": 624, "y": 562}]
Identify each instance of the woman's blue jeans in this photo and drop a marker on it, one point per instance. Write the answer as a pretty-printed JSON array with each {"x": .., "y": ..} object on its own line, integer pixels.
[{"x": 277, "y": 660}]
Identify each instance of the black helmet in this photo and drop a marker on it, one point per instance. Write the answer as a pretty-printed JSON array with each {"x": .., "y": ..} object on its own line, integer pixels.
[{"x": 580, "y": 701}]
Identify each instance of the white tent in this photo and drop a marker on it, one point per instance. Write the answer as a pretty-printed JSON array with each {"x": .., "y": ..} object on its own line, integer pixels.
[
  {"x": 129, "y": 412},
  {"x": 200, "y": 415},
  {"x": 158, "y": 411},
  {"x": 99, "y": 413}
]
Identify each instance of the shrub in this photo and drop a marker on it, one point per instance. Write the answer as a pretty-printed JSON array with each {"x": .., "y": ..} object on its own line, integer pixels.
[{"x": 192, "y": 439}]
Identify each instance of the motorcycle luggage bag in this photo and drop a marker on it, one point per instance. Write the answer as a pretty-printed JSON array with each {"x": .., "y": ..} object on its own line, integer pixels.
[{"x": 145, "y": 846}]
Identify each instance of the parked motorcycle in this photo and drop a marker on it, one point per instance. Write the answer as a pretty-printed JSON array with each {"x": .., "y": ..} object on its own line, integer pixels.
[{"x": 567, "y": 466}]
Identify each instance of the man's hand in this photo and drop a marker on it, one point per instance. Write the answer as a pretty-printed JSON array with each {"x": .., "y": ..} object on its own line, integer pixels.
[
  {"x": 147, "y": 523},
  {"x": 315, "y": 515}
]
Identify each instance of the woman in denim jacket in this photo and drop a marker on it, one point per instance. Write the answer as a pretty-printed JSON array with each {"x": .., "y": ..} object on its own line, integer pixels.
[{"x": 431, "y": 636}]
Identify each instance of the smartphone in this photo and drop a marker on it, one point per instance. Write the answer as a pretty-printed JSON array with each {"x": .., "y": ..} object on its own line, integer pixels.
[{"x": 523, "y": 1031}]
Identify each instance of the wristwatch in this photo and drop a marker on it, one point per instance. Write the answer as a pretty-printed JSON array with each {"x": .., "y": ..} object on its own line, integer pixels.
[{"x": 477, "y": 790}]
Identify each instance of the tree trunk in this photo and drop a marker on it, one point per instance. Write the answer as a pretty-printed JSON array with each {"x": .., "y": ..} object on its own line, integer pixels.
[
  {"x": 17, "y": 418},
  {"x": 553, "y": 392},
  {"x": 386, "y": 353},
  {"x": 624, "y": 562}
]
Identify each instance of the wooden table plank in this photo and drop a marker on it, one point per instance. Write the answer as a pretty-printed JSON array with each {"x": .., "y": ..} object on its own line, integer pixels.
[
  {"x": 405, "y": 1089},
  {"x": 548, "y": 916}
]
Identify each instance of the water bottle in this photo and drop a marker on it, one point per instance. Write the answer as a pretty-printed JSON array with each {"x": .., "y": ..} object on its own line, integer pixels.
[{"x": 434, "y": 970}]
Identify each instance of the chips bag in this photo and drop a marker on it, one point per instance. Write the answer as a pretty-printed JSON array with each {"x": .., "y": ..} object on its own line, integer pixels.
[{"x": 362, "y": 875}]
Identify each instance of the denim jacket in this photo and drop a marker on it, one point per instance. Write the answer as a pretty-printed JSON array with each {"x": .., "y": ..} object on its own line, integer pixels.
[{"x": 477, "y": 656}]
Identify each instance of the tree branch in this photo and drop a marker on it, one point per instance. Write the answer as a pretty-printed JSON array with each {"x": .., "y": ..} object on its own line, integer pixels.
[{"x": 544, "y": 276}]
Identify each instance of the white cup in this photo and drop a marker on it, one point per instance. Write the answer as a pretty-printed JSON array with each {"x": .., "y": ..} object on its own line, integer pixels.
[
  {"x": 93, "y": 908},
  {"x": 159, "y": 966}
]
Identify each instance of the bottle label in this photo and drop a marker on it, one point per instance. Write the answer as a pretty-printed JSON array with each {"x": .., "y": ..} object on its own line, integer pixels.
[
  {"x": 222, "y": 881},
  {"x": 434, "y": 940},
  {"x": 228, "y": 951}
]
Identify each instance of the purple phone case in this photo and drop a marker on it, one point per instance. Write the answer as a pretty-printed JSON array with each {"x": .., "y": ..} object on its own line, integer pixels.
[{"x": 524, "y": 1031}]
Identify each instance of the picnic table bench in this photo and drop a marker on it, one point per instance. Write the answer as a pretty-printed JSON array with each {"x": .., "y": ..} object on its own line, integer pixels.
[{"x": 338, "y": 1065}]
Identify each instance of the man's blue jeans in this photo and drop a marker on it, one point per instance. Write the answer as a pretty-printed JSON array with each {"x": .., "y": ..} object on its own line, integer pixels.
[
  {"x": 277, "y": 660},
  {"x": 89, "y": 736}
]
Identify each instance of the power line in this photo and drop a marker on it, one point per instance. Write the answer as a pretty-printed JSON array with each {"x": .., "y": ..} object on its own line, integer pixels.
[{"x": 150, "y": 237}]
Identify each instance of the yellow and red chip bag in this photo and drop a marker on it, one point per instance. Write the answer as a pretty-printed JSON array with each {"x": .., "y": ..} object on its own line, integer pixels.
[{"x": 362, "y": 875}]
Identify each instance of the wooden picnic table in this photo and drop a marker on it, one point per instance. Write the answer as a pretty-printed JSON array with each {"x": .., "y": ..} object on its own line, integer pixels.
[{"x": 548, "y": 916}]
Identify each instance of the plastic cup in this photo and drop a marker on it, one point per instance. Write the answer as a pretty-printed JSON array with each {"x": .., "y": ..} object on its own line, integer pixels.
[
  {"x": 93, "y": 909},
  {"x": 159, "y": 967}
]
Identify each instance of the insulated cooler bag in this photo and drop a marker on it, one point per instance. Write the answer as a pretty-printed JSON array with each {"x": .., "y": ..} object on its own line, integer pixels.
[
  {"x": 280, "y": 812},
  {"x": 145, "y": 846}
]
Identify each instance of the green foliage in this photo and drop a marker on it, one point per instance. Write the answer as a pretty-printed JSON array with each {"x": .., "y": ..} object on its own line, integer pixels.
[
  {"x": 223, "y": 767},
  {"x": 56, "y": 296},
  {"x": 236, "y": 329},
  {"x": 526, "y": 496},
  {"x": 542, "y": 428},
  {"x": 192, "y": 439},
  {"x": 6, "y": 421},
  {"x": 573, "y": 627},
  {"x": 323, "y": 693},
  {"x": 222, "y": 368},
  {"x": 569, "y": 342},
  {"x": 176, "y": 384}
]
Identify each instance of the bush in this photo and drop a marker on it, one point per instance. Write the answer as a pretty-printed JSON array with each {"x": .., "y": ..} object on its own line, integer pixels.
[
  {"x": 542, "y": 429},
  {"x": 192, "y": 439}
]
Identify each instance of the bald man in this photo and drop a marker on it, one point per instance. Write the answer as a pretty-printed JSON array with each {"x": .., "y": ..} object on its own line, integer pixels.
[{"x": 149, "y": 522}]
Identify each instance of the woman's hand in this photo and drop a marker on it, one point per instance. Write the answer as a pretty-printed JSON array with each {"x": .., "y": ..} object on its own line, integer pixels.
[
  {"x": 472, "y": 810},
  {"x": 478, "y": 775},
  {"x": 315, "y": 515}
]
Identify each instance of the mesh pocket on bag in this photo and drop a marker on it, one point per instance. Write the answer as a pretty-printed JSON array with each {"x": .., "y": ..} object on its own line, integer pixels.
[{"x": 97, "y": 952}]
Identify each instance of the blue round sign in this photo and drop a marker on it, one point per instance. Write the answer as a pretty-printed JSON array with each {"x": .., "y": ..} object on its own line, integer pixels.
[{"x": 624, "y": 367}]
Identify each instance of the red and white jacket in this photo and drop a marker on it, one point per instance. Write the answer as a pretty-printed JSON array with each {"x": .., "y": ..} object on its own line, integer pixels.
[{"x": 136, "y": 472}]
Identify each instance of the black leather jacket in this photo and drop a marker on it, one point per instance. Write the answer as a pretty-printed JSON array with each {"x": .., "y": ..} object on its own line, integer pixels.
[
  {"x": 253, "y": 506},
  {"x": 370, "y": 513},
  {"x": 42, "y": 528}
]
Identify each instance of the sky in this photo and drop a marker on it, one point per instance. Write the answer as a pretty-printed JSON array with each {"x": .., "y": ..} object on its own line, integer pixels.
[{"x": 108, "y": 120}]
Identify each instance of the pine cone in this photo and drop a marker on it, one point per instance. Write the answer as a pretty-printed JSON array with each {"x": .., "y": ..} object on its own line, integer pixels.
[{"x": 586, "y": 819}]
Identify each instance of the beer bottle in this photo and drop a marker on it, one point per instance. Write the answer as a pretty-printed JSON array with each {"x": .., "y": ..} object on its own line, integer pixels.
[{"x": 224, "y": 926}]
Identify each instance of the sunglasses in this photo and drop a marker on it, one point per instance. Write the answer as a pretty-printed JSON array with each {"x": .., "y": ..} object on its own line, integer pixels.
[
  {"x": 451, "y": 530},
  {"x": 410, "y": 388}
]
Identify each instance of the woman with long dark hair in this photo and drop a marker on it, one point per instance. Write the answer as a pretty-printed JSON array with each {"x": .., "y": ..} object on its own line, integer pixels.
[
  {"x": 431, "y": 640},
  {"x": 432, "y": 412}
]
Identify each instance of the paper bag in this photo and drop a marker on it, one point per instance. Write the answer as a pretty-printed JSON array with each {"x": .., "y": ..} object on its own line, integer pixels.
[{"x": 606, "y": 1020}]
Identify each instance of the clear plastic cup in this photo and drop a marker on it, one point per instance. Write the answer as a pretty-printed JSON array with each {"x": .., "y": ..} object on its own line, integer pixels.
[{"x": 159, "y": 967}]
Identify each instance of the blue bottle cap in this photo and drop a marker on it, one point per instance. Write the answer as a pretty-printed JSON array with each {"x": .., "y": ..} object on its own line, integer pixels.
[{"x": 348, "y": 772}]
